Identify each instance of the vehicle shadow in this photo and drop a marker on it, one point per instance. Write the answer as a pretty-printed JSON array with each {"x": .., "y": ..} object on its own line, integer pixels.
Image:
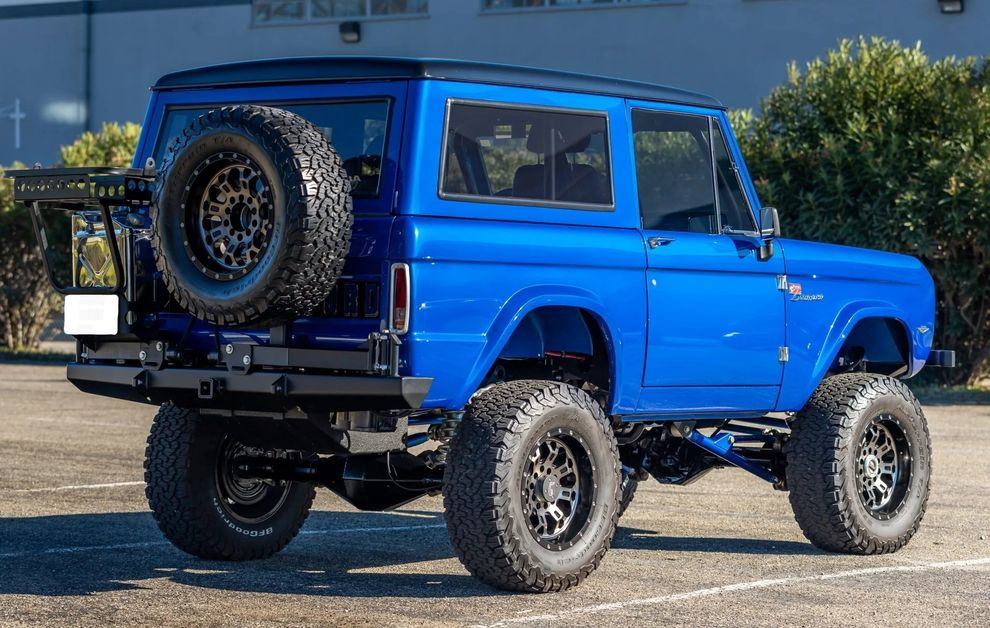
[
  {"x": 350, "y": 554},
  {"x": 346, "y": 554},
  {"x": 633, "y": 539}
]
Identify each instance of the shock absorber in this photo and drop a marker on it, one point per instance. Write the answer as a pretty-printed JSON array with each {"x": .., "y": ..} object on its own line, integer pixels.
[{"x": 442, "y": 433}]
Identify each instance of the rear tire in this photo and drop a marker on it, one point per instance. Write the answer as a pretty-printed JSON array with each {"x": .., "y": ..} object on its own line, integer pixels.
[
  {"x": 531, "y": 487},
  {"x": 858, "y": 465},
  {"x": 201, "y": 506},
  {"x": 252, "y": 217}
]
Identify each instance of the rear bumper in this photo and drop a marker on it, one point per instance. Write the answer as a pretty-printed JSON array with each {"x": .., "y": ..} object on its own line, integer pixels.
[{"x": 262, "y": 391}]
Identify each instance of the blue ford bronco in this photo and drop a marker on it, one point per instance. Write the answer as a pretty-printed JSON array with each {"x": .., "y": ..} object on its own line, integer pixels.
[{"x": 526, "y": 290}]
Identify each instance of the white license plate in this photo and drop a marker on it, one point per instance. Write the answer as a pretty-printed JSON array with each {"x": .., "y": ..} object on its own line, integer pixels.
[{"x": 91, "y": 314}]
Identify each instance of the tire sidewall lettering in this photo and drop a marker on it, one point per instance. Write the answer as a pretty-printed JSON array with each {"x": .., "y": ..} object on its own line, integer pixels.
[{"x": 239, "y": 528}]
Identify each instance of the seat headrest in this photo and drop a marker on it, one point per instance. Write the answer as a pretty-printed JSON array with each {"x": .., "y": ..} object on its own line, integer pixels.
[{"x": 579, "y": 144}]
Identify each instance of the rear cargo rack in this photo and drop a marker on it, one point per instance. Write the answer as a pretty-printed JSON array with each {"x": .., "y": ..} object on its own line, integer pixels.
[{"x": 75, "y": 189}]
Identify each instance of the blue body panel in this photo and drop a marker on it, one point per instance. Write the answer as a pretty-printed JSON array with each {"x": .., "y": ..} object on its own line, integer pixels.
[
  {"x": 855, "y": 284},
  {"x": 471, "y": 288},
  {"x": 716, "y": 321},
  {"x": 693, "y": 328}
]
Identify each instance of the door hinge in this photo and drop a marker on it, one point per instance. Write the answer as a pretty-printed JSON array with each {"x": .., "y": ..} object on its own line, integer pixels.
[
  {"x": 782, "y": 282},
  {"x": 783, "y": 354}
]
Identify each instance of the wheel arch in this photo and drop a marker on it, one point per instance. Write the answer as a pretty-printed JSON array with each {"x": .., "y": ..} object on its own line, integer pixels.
[
  {"x": 530, "y": 325},
  {"x": 859, "y": 321},
  {"x": 882, "y": 342}
]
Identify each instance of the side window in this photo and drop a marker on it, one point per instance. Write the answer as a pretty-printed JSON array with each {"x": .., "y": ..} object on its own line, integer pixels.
[
  {"x": 674, "y": 171},
  {"x": 547, "y": 157},
  {"x": 732, "y": 204}
]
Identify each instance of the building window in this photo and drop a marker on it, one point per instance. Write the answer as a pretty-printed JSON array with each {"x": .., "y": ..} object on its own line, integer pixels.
[
  {"x": 515, "y": 5},
  {"x": 265, "y": 12}
]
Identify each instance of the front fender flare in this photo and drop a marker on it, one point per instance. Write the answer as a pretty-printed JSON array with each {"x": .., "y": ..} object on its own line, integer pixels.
[{"x": 847, "y": 318}]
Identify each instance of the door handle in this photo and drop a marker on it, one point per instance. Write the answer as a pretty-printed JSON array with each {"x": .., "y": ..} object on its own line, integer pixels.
[{"x": 657, "y": 241}]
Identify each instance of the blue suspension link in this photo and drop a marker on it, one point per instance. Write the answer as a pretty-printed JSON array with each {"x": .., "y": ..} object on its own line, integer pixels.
[{"x": 721, "y": 447}]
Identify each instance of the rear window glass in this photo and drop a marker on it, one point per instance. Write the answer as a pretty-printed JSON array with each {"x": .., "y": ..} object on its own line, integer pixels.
[
  {"x": 356, "y": 129},
  {"x": 535, "y": 156}
]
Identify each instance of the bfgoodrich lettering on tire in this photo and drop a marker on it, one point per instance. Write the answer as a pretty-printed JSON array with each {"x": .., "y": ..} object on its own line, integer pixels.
[
  {"x": 252, "y": 216},
  {"x": 202, "y": 506},
  {"x": 858, "y": 465},
  {"x": 531, "y": 487}
]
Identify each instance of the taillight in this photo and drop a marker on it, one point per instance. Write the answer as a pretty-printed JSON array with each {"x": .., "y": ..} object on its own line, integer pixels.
[{"x": 399, "y": 299}]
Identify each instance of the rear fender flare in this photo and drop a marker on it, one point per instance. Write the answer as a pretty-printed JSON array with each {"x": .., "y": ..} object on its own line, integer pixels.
[{"x": 516, "y": 309}]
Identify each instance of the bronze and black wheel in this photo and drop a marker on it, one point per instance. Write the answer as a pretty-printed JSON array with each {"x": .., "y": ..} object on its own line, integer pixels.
[
  {"x": 531, "y": 487},
  {"x": 858, "y": 465}
]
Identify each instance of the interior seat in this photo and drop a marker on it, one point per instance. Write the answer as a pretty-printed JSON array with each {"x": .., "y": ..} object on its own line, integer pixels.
[
  {"x": 537, "y": 180},
  {"x": 587, "y": 185}
]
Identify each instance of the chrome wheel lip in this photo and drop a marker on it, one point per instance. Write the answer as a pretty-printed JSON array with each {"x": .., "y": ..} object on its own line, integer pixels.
[
  {"x": 883, "y": 467},
  {"x": 558, "y": 489},
  {"x": 228, "y": 218}
]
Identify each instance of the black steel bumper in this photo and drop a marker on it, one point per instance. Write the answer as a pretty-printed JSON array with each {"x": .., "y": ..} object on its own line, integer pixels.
[{"x": 263, "y": 391}]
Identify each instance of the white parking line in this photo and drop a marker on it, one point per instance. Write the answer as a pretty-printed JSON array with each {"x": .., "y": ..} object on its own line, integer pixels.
[
  {"x": 743, "y": 586},
  {"x": 81, "y": 548},
  {"x": 375, "y": 529},
  {"x": 77, "y": 487},
  {"x": 71, "y": 421},
  {"x": 122, "y": 546}
]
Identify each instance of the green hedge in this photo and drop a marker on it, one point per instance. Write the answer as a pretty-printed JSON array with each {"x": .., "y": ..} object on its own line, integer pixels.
[{"x": 876, "y": 146}]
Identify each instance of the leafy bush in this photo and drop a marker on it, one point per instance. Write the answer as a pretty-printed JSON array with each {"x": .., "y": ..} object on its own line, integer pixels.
[
  {"x": 26, "y": 298},
  {"x": 876, "y": 146},
  {"x": 114, "y": 145}
]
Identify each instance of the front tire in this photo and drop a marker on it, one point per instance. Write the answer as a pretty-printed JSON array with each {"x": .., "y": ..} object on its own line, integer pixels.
[
  {"x": 531, "y": 487},
  {"x": 858, "y": 465},
  {"x": 205, "y": 509}
]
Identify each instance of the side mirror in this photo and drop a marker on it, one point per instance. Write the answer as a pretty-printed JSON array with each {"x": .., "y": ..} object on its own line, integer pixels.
[{"x": 769, "y": 223}]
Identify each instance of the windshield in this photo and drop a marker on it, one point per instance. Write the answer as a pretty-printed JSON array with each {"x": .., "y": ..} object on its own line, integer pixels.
[{"x": 356, "y": 129}]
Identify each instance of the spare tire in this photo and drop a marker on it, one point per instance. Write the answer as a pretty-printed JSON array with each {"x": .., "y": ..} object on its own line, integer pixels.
[{"x": 252, "y": 217}]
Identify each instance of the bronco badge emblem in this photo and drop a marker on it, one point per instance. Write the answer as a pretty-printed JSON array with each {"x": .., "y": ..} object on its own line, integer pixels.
[{"x": 797, "y": 294}]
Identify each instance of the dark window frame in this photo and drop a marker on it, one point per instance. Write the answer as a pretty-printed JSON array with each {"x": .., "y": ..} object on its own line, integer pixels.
[
  {"x": 389, "y": 110},
  {"x": 525, "y": 202},
  {"x": 712, "y": 123},
  {"x": 711, "y": 160}
]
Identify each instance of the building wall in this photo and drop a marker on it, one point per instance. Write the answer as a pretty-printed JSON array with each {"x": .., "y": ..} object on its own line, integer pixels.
[{"x": 736, "y": 50}]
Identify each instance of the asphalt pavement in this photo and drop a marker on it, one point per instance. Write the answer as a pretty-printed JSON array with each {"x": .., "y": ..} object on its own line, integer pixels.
[{"x": 79, "y": 547}]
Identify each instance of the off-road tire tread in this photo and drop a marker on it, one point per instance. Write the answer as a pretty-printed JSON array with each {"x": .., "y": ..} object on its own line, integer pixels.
[
  {"x": 170, "y": 492},
  {"x": 820, "y": 441},
  {"x": 626, "y": 493},
  {"x": 319, "y": 215},
  {"x": 476, "y": 507}
]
